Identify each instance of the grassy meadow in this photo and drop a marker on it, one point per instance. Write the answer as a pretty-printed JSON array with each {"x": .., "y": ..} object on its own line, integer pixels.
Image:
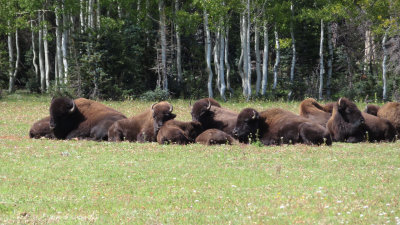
[{"x": 81, "y": 182}]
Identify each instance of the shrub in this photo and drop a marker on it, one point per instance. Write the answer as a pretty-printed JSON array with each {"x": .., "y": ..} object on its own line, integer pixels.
[{"x": 156, "y": 95}]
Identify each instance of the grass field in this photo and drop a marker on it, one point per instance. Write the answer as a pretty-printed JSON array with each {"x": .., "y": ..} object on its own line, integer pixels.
[{"x": 70, "y": 182}]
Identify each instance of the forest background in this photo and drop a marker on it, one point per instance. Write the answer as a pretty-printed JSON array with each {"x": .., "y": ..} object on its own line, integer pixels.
[{"x": 270, "y": 49}]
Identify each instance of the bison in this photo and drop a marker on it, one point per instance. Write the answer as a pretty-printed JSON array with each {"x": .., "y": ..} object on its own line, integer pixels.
[
  {"x": 277, "y": 126},
  {"x": 346, "y": 123},
  {"x": 215, "y": 137},
  {"x": 81, "y": 118},
  {"x": 311, "y": 109},
  {"x": 41, "y": 128},
  {"x": 211, "y": 116},
  {"x": 389, "y": 111},
  {"x": 142, "y": 127},
  {"x": 379, "y": 129},
  {"x": 178, "y": 132}
]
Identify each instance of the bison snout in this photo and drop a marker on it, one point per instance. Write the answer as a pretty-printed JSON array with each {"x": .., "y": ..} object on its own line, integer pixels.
[{"x": 235, "y": 132}]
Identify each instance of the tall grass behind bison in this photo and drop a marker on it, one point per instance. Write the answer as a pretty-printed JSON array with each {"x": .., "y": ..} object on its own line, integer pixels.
[
  {"x": 81, "y": 118},
  {"x": 143, "y": 127}
]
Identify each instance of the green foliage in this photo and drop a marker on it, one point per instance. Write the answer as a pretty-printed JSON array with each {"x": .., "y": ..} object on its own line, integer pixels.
[
  {"x": 157, "y": 95},
  {"x": 33, "y": 85}
]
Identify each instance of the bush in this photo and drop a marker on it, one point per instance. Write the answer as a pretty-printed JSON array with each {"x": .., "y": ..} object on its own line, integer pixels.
[
  {"x": 156, "y": 95},
  {"x": 33, "y": 85}
]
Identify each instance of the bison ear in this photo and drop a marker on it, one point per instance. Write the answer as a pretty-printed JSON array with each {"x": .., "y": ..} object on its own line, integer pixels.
[{"x": 255, "y": 115}]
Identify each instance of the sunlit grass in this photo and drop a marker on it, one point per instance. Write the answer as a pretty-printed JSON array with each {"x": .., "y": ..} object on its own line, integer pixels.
[{"x": 47, "y": 181}]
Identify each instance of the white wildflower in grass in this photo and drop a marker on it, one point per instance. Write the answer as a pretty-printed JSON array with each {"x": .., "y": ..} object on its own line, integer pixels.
[
  {"x": 338, "y": 201},
  {"x": 365, "y": 206},
  {"x": 282, "y": 207},
  {"x": 196, "y": 200},
  {"x": 233, "y": 185},
  {"x": 361, "y": 215}
]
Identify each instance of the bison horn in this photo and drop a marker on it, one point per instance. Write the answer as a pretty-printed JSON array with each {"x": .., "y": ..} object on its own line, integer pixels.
[
  {"x": 152, "y": 106},
  {"x": 340, "y": 99},
  {"x": 254, "y": 115},
  {"x": 73, "y": 107},
  {"x": 209, "y": 105},
  {"x": 171, "y": 107}
]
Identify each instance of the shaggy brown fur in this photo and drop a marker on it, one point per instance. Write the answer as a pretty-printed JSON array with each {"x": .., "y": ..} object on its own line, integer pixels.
[
  {"x": 317, "y": 113},
  {"x": 372, "y": 109},
  {"x": 81, "y": 118},
  {"x": 277, "y": 126},
  {"x": 41, "y": 128},
  {"x": 391, "y": 112},
  {"x": 179, "y": 132},
  {"x": 346, "y": 123},
  {"x": 142, "y": 127},
  {"x": 199, "y": 106},
  {"x": 215, "y": 137},
  {"x": 211, "y": 116},
  {"x": 379, "y": 129}
]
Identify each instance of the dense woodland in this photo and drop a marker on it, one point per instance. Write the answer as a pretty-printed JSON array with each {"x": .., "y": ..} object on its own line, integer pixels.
[{"x": 121, "y": 49}]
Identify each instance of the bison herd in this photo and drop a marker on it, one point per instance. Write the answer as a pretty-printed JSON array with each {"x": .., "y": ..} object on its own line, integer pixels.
[{"x": 211, "y": 124}]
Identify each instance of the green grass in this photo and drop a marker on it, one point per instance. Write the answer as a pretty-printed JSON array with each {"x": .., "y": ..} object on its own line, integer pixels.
[{"x": 70, "y": 182}]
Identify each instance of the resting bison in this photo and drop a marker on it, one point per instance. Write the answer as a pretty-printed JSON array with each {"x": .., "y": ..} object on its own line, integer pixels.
[
  {"x": 346, "y": 123},
  {"x": 215, "y": 137},
  {"x": 277, "y": 126},
  {"x": 178, "y": 132},
  {"x": 143, "y": 127},
  {"x": 389, "y": 111},
  {"x": 41, "y": 128},
  {"x": 81, "y": 118},
  {"x": 379, "y": 129},
  {"x": 211, "y": 116},
  {"x": 317, "y": 113}
]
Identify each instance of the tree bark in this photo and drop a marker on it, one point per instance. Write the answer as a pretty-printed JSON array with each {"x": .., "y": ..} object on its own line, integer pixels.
[
  {"x": 64, "y": 42},
  {"x": 58, "y": 46},
  {"x": 41, "y": 55},
  {"x": 178, "y": 48},
  {"x": 221, "y": 61},
  {"x": 245, "y": 55},
  {"x": 330, "y": 61},
  {"x": 161, "y": 8},
  {"x": 216, "y": 59},
  {"x": 248, "y": 51},
  {"x": 46, "y": 54},
  {"x": 82, "y": 17},
  {"x": 11, "y": 87},
  {"x": 384, "y": 66},
  {"x": 258, "y": 57},
  {"x": 35, "y": 65},
  {"x": 292, "y": 67},
  {"x": 321, "y": 62},
  {"x": 277, "y": 60},
  {"x": 208, "y": 55},
  {"x": 228, "y": 66},
  {"x": 265, "y": 61}
]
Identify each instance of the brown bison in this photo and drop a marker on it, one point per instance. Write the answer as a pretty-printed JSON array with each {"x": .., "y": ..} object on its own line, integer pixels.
[
  {"x": 215, "y": 137},
  {"x": 142, "y": 127},
  {"x": 349, "y": 124},
  {"x": 211, "y": 116},
  {"x": 389, "y": 111},
  {"x": 81, "y": 118},
  {"x": 311, "y": 109},
  {"x": 178, "y": 132},
  {"x": 346, "y": 123},
  {"x": 41, "y": 128},
  {"x": 277, "y": 126}
]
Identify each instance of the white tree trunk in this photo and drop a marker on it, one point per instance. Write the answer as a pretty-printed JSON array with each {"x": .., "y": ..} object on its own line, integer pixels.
[
  {"x": 56, "y": 77},
  {"x": 221, "y": 73},
  {"x": 58, "y": 46},
  {"x": 41, "y": 55},
  {"x": 258, "y": 57},
  {"x": 248, "y": 51},
  {"x": 90, "y": 14},
  {"x": 330, "y": 60},
  {"x": 216, "y": 59},
  {"x": 161, "y": 8},
  {"x": 46, "y": 55},
  {"x": 321, "y": 62},
  {"x": 82, "y": 16},
  {"x": 293, "y": 52},
  {"x": 245, "y": 55},
  {"x": 178, "y": 48},
  {"x": 384, "y": 67},
  {"x": 265, "y": 61},
  {"x": 208, "y": 55},
  {"x": 64, "y": 46},
  {"x": 277, "y": 60},
  {"x": 11, "y": 87},
  {"x": 98, "y": 14},
  {"x": 241, "y": 58},
  {"x": 35, "y": 65},
  {"x": 228, "y": 67}
]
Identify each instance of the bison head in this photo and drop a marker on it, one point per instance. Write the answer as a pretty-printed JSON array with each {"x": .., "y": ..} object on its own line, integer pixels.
[
  {"x": 202, "y": 107},
  {"x": 247, "y": 125},
  {"x": 372, "y": 109},
  {"x": 161, "y": 112},
  {"x": 349, "y": 111},
  {"x": 60, "y": 109}
]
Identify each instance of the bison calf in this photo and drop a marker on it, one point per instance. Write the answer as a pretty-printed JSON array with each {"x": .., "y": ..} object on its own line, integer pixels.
[
  {"x": 178, "y": 132},
  {"x": 81, "y": 118},
  {"x": 215, "y": 137},
  {"x": 143, "y": 127},
  {"x": 41, "y": 128},
  {"x": 277, "y": 126}
]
